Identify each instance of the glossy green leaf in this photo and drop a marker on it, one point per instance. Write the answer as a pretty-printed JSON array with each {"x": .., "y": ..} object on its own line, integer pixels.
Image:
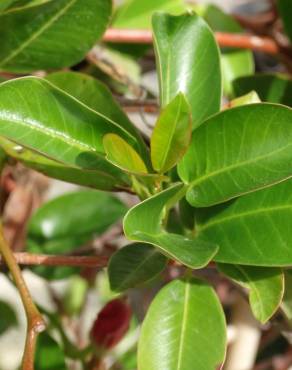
[
  {"x": 273, "y": 88},
  {"x": 98, "y": 97},
  {"x": 234, "y": 62},
  {"x": 285, "y": 8},
  {"x": 188, "y": 61},
  {"x": 95, "y": 179},
  {"x": 249, "y": 98},
  {"x": 137, "y": 13},
  {"x": 60, "y": 37},
  {"x": 286, "y": 305},
  {"x": 8, "y": 317},
  {"x": 184, "y": 329},
  {"x": 251, "y": 148},
  {"x": 265, "y": 285},
  {"x": 121, "y": 154},
  {"x": 255, "y": 229},
  {"x": 134, "y": 265},
  {"x": 56, "y": 125},
  {"x": 49, "y": 355},
  {"x": 87, "y": 212},
  {"x": 171, "y": 134},
  {"x": 144, "y": 223}
]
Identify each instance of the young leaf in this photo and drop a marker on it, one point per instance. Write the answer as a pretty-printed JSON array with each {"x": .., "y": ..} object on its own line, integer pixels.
[
  {"x": 63, "y": 34},
  {"x": 251, "y": 149},
  {"x": 134, "y": 265},
  {"x": 188, "y": 61},
  {"x": 273, "y": 88},
  {"x": 234, "y": 62},
  {"x": 143, "y": 223},
  {"x": 184, "y": 329},
  {"x": 98, "y": 97},
  {"x": 285, "y": 9},
  {"x": 105, "y": 179},
  {"x": 171, "y": 134},
  {"x": 286, "y": 305},
  {"x": 121, "y": 154},
  {"x": 249, "y": 98},
  {"x": 265, "y": 285},
  {"x": 255, "y": 229},
  {"x": 49, "y": 355},
  {"x": 53, "y": 123}
]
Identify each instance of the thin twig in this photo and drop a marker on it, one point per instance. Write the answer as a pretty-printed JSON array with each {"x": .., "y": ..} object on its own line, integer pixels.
[
  {"x": 35, "y": 322},
  {"x": 241, "y": 41}
]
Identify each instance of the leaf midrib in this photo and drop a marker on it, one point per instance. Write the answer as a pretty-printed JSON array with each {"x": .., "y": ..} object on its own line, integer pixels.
[
  {"x": 36, "y": 34},
  {"x": 183, "y": 326}
]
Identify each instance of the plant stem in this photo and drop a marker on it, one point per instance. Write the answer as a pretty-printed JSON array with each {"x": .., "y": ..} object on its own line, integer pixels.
[{"x": 35, "y": 322}]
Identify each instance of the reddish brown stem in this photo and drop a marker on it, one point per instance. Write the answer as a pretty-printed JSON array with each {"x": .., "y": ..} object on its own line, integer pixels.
[{"x": 232, "y": 40}]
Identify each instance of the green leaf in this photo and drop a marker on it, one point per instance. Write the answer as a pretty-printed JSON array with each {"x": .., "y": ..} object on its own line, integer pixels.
[
  {"x": 171, "y": 134},
  {"x": 255, "y": 229},
  {"x": 95, "y": 179},
  {"x": 49, "y": 356},
  {"x": 238, "y": 151},
  {"x": 285, "y": 9},
  {"x": 134, "y": 265},
  {"x": 8, "y": 317},
  {"x": 98, "y": 97},
  {"x": 184, "y": 329},
  {"x": 188, "y": 61},
  {"x": 234, "y": 62},
  {"x": 122, "y": 155},
  {"x": 56, "y": 125},
  {"x": 273, "y": 88},
  {"x": 60, "y": 37},
  {"x": 87, "y": 213},
  {"x": 249, "y": 98},
  {"x": 137, "y": 13},
  {"x": 286, "y": 305},
  {"x": 265, "y": 285},
  {"x": 144, "y": 223}
]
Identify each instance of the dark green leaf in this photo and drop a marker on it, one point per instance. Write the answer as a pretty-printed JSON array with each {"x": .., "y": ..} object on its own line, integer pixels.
[
  {"x": 184, "y": 329},
  {"x": 8, "y": 317},
  {"x": 285, "y": 8},
  {"x": 49, "y": 356},
  {"x": 144, "y": 223},
  {"x": 234, "y": 62},
  {"x": 188, "y": 61},
  {"x": 238, "y": 151},
  {"x": 133, "y": 265},
  {"x": 265, "y": 285},
  {"x": 255, "y": 229},
  {"x": 55, "y": 34},
  {"x": 273, "y": 88},
  {"x": 122, "y": 155},
  {"x": 171, "y": 134}
]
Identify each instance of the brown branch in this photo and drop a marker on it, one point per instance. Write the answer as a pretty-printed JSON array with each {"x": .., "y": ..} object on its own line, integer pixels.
[
  {"x": 232, "y": 40},
  {"x": 53, "y": 260}
]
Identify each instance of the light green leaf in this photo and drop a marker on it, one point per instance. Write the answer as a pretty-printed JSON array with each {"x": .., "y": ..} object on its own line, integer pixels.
[
  {"x": 54, "y": 124},
  {"x": 98, "y": 97},
  {"x": 238, "y": 151},
  {"x": 273, "y": 88},
  {"x": 286, "y": 305},
  {"x": 250, "y": 98},
  {"x": 255, "y": 229},
  {"x": 53, "y": 34},
  {"x": 92, "y": 178},
  {"x": 49, "y": 356},
  {"x": 134, "y": 265},
  {"x": 184, "y": 329},
  {"x": 234, "y": 62},
  {"x": 171, "y": 134},
  {"x": 285, "y": 9},
  {"x": 144, "y": 223},
  {"x": 265, "y": 285},
  {"x": 121, "y": 154},
  {"x": 137, "y": 13},
  {"x": 188, "y": 61}
]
